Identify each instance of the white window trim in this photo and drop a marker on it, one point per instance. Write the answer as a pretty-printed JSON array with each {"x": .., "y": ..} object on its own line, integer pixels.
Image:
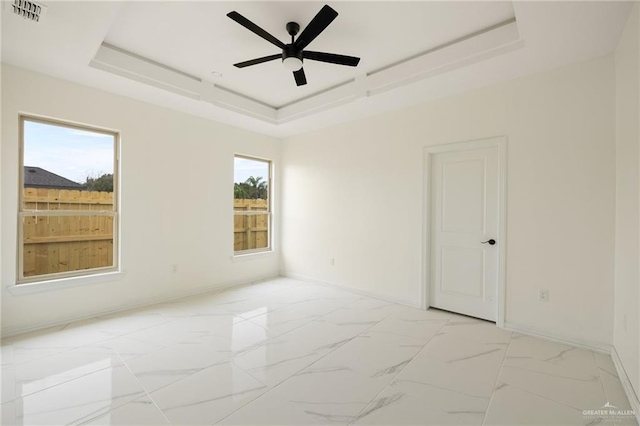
[
  {"x": 69, "y": 278},
  {"x": 252, "y": 255},
  {"x": 97, "y": 276},
  {"x": 243, "y": 255}
]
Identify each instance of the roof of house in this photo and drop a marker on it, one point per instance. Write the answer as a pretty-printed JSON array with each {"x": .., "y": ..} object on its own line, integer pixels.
[{"x": 36, "y": 177}]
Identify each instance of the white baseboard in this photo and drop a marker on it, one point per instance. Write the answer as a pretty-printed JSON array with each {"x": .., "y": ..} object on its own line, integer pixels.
[
  {"x": 580, "y": 343},
  {"x": 12, "y": 331},
  {"x": 350, "y": 289},
  {"x": 571, "y": 341},
  {"x": 632, "y": 396}
]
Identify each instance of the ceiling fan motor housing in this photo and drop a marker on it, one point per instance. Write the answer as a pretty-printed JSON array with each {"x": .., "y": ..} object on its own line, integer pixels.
[{"x": 291, "y": 51}]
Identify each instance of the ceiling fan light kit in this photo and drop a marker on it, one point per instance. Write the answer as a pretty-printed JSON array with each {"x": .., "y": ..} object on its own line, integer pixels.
[
  {"x": 293, "y": 54},
  {"x": 292, "y": 63}
]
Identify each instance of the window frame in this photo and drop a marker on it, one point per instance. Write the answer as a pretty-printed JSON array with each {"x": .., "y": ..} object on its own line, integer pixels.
[
  {"x": 269, "y": 212},
  {"x": 23, "y": 213}
]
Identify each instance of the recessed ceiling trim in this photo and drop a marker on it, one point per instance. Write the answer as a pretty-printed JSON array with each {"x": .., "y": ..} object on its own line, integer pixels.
[
  {"x": 323, "y": 101},
  {"x": 490, "y": 43},
  {"x": 125, "y": 64},
  {"x": 224, "y": 98},
  {"x": 462, "y": 52},
  {"x": 493, "y": 41}
]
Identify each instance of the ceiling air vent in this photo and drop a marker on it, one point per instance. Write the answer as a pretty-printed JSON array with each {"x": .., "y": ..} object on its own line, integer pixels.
[{"x": 29, "y": 10}]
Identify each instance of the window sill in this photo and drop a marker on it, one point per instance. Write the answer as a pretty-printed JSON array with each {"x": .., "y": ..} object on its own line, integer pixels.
[
  {"x": 58, "y": 284},
  {"x": 252, "y": 256}
]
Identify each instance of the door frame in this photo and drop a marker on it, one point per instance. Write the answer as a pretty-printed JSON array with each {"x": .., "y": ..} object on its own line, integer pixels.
[{"x": 428, "y": 152}]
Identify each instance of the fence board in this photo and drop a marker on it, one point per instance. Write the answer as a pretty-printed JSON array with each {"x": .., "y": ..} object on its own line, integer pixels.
[
  {"x": 71, "y": 243},
  {"x": 250, "y": 232},
  {"x": 66, "y": 243}
]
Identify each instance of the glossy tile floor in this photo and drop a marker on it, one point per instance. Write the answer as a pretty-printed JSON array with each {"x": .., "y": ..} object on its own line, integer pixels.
[{"x": 284, "y": 352}]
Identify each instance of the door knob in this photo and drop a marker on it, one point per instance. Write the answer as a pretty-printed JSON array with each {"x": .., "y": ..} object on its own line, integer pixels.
[{"x": 490, "y": 242}]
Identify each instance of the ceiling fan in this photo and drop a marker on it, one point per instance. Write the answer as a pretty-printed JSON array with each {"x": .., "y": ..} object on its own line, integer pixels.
[{"x": 293, "y": 54}]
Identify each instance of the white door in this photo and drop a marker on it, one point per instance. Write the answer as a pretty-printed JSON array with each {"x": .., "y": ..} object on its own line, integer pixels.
[{"x": 465, "y": 197}]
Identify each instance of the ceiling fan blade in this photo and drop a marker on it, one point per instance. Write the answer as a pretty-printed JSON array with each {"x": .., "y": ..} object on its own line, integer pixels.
[
  {"x": 301, "y": 79},
  {"x": 258, "y": 61},
  {"x": 332, "y": 58},
  {"x": 316, "y": 26},
  {"x": 255, "y": 29}
]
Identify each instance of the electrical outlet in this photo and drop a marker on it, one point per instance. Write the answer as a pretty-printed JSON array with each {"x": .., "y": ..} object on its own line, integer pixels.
[
  {"x": 332, "y": 261},
  {"x": 174, "y": 268},
  {"x": 543, "y": 295}
]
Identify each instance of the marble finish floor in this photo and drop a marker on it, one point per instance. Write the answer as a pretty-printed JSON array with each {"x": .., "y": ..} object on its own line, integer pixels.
[{"x": 282, "y": 352}]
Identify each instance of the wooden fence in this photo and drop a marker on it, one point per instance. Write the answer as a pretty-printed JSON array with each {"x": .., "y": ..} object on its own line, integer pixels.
[
  {"x": 71, "y": 243},
  {"x": 250, "y": 231},
  {"x": 66, "y": 243}
]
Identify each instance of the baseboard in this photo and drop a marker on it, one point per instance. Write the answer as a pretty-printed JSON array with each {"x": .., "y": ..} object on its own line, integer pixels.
[
  {"x": 350, "y": 289},
  {"x": 579, "y": 343},
  {"x": 632, "y": 396},
  {"x": 13, "y": 331}
]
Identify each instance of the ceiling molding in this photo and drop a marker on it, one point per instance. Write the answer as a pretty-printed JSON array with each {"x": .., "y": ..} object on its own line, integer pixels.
[
  {"x": 126, "y": 64},
  {"x": 427, "y": 56},
  {"x": 494, "y": 41}
]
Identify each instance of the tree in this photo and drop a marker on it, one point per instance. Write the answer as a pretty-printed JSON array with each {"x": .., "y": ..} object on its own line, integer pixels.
[
  {"x": 253, "y": 188},
  {"x": 102, "y": 183},
  {"x": 239, "y": 191},
  {"x": 257, "y": 188}
]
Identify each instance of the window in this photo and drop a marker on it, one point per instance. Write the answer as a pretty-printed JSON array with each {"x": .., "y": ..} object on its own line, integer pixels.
[
  {"x": 251, "y": 205},
  {"x": 68, "y": 215}
]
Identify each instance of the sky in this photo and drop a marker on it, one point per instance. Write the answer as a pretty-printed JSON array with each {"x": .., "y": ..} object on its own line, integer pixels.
[
  {"x": 71, "y": 153},
  {"x": 76, "y": 154},
  {"x": 244, "y": 168}
]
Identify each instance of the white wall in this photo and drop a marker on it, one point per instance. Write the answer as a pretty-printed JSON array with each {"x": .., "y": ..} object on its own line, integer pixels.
[
  {"x": 354, "y": 193},
  {"x": 176, "y": 205},
  {"x": 627, "y": 266}
]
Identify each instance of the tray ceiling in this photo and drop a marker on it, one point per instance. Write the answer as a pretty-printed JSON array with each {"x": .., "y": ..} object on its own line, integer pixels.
[
  {"x": 198, "y": 38},
  {"x": 164, "y": 52}
]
